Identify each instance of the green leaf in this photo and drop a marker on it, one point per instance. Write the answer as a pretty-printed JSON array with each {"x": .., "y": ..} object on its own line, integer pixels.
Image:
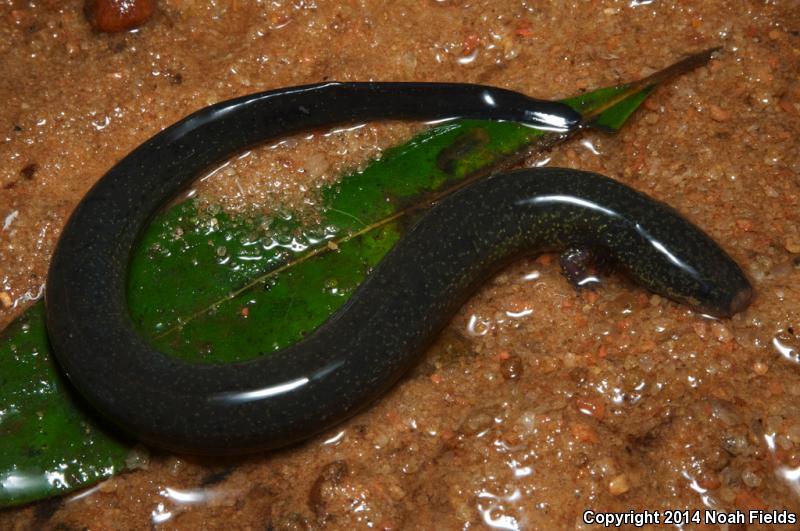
[
  {"x": 207, "y": 287},
  {"x": 612, "y": 118},
  {"x": 49, "y": 443}
]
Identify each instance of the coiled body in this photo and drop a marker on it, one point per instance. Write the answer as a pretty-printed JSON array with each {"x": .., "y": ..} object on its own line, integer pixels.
[{"x": 393, "y": 316}]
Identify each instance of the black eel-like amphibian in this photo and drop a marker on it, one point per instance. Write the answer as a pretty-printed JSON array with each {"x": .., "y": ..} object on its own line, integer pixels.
[{"x": 392, "y": 317}]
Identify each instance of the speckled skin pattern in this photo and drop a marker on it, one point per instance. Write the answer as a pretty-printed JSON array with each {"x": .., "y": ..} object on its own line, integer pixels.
[{"x": 391, "y": 319}]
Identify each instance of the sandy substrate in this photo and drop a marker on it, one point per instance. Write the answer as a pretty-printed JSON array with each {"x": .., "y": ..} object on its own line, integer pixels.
[{"x": 538, "y": 402}]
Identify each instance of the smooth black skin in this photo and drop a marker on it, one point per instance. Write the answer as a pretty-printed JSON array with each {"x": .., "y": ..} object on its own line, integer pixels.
[{"x": 392, "y": 317}]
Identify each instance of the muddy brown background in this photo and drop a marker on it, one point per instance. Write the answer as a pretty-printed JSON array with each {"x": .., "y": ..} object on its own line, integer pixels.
[{"x": 538, "y": 402}]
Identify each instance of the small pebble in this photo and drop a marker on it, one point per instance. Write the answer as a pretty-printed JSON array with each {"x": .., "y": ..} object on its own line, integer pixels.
[
  {"x": 138, "y": 457},
  {"x": 751, "y": 479},
  {"x": 396, "y": 492},
  {"x": 112, "y": 16},
  {"x": 792, "y": 245},
  {"x": 651, "y": 118},
  {"x": 718, "y": 114},
  {"x": 709, "y": 480},
  {"x": 592, "y": 406},
  {"x": 5, "y": 299},
  {"x": 701, "y": 329},
  {"x": 511, "y": 368},
  {"x": 477, "y": 422},
  {"x": 619, "y": 485},
  {"x": 721, "y": 332}
]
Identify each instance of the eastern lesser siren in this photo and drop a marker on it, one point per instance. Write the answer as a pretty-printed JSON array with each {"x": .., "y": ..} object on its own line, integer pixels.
[{"x": 392, "y": 317}]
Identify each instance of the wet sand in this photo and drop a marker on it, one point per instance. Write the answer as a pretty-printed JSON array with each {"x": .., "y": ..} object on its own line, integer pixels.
[{"x": 538, "y": 402}]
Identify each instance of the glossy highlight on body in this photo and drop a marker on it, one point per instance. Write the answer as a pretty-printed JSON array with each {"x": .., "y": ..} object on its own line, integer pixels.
[{"x": 365, "y": 347}]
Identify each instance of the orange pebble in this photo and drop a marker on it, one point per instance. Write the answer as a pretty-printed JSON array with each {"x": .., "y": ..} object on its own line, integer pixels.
[
  {"x": 111, "y": 16},
  {"x": 584, "y": 432},
  {"x": 524, "y": 31},
  {"x": 593, "y": 406}
]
